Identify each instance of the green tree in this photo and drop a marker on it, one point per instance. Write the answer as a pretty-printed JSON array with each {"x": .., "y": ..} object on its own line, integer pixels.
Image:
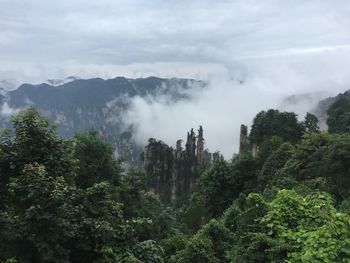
[
  {"x": 338, "y": 162},
  {"x": 243, "y": 219},
  {"x": 275, "y": 123},
  {"x": 220, "y": 236},
  {"x": 198, "y": 249},
  {"x": 339, "y": 115},
  {"x": 311, "y": 123},
  {"x": 310, "y": 228},
  {"x": 39, "y": 217},
  {"x": 95, "y": 160},
  {"x": 173, "y": 245},
  {"x": 289, "y": 228},
  {"x": 33, "y": 140},
  {"x": 322, "y": 160},
  {"x": 44, "y": 217},
  {"x": 273, "y": 164},
  {"x": 309, "y": 160},
  {"x": 221, "y": 183},
  {"x": 148, "y": 252}
]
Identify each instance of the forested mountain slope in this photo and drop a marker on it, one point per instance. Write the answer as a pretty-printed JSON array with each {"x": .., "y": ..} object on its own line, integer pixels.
[
  {"x": 284, "y": 198},
  {"x": 83, "y": 104}
]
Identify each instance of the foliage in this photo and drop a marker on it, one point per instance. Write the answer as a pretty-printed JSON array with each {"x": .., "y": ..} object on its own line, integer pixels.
[
  {"x": 219, "y": 185},
  {"x": 322, "y": 157},
  {"x": 268, "y": 146},
  {"x": 275, "y": 123},
  {"x": 311, "y": 123},
  {"x": 70, "y": 201},
  {"x": 148, "y": 252},
  {"x": 37, "y": 221},
  {"x": 310, "y": 227},
  {"x": 220, "y": 236},
  {"x": 339, "y": 115},
  {"x": 33, "y": 140},
  {"x": 173, "y": 245},
  {"x": 95, "y": 160},
  {"x": 276, "y": 161},
  {"x": 198, "y": 249},
  {"x": 62, "y": 200},
  {"x": 290, "y": 228}
]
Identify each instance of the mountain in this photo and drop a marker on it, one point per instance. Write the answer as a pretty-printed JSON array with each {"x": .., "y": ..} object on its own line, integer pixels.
[
  {"x": 321, "y": 109},
  {"x": 7, "y": 85},
  {"x": 83, "y": 104},
  {"x": 2, "y": 94},
  {"x": 59, "y": 82},
  {"x": 303, "y": 102}
]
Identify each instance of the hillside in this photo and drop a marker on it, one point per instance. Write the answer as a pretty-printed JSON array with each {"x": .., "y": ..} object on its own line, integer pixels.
[{"x": 80, "y": 105}]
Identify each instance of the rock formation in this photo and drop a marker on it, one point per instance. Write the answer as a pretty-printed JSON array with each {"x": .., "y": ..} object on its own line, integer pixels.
[
  {"x": 173, "y": 172},
  {"x": 200, "y": 146},
  {"x": 243, "y": 139},
  {"x": 244, "y": 144}
]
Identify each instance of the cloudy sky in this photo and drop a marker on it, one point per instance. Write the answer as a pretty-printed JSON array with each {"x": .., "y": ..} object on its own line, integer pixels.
[{"x": 276, "y": 47}]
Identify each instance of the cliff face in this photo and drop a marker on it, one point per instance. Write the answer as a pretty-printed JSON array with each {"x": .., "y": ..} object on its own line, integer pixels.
[
  {"x": 244, "y": 144},
  {"x": 173, "y": 172},
  {"x": 243, "y": 139}
]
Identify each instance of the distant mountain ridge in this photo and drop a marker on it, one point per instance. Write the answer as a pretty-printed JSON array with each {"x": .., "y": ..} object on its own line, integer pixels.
[
  {"x": 82, "y": 104},
  {"x": 58, "y": 82},
  {"x": 97, "y": 91}
]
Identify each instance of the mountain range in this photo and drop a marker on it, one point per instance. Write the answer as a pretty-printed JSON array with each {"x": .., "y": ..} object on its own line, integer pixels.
[{"x": 79, "y": 105}]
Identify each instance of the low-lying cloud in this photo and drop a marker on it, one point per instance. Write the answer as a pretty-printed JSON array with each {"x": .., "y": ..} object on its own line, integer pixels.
[
  {"x": 227, "y": 102},
  {"x": 275, "y": 48},
  {"x": 6, "y": 111}
]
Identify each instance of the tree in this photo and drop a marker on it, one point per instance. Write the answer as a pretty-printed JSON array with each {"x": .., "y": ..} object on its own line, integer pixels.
[
  {"x": 148, "y": 252},
  {"x": 243, "y": 219},
  {"x": 309, "y": 160},
  {"x": 275, "y": 123},
  {"x": 220, "y": 236},
  {"x": 310, "y": 228},
  {"x": 267, "y": 147},
  {"x": 338, "y": 164},
  {"x": 39, "y": 218},
  {"x": 339, "y": 115},
  {"x": 311, "y": 123},
  {"x": 95, "y": 160},
  {"x": 33, "y": 140},
  {"x": 44, "y": 217},
  {"x": 173, "y": 245},
  {"x": 273, "y": 164},
  {"x": 216, "y": 186},
  {"x": 103, "y": 232},
  {"x": 289, "y": 228},
  {"x": 198, "y": 249},
  {"x": 322, "y": 157}
]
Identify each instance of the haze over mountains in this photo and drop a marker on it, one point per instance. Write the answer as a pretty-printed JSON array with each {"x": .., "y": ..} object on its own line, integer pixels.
[
  {"x": 117, "y": 107},
  {"x": 79, "y": 105}
]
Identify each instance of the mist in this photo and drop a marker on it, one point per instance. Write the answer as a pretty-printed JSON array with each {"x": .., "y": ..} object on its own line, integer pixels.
[
  {"x": 235, "y": 95},
  {"x": 253, "y": 55}
]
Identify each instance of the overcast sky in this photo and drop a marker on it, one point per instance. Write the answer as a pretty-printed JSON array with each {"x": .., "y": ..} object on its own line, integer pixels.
[
  {"x": 113, "y": 37},
  {"x": 276, "y": 47}
]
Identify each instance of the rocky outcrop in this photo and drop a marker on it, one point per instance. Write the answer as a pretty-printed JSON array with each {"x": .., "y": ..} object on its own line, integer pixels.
[
  {"x": 244, "y": 143},
  {"x": 173, "y": 172}
]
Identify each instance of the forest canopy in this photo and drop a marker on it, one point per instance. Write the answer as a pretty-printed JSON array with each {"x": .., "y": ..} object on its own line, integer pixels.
[{"x": 69, "y": 200}]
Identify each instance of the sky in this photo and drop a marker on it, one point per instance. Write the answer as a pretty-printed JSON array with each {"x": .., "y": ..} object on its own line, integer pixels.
[{"x": 253, "y": 53}]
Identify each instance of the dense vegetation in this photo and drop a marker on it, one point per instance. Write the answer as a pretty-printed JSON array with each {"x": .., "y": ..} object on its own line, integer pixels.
[{"x": 70, "y": 201}]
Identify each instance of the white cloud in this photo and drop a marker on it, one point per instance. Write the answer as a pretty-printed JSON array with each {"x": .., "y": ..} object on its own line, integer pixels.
[
  {"x": 226, "y": 104},
  {"x": 276, "y": 47},
  {"x": 6, "y": 111}
]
